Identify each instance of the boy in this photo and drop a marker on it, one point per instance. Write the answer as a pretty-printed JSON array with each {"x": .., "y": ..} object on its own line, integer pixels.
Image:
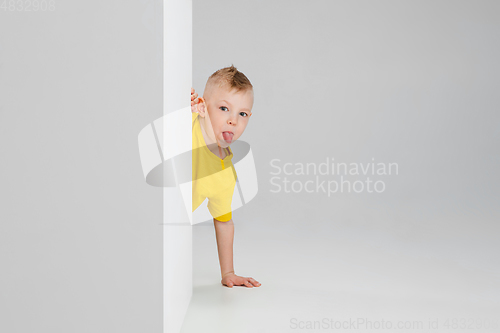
[{"x": 219, "y": 118}]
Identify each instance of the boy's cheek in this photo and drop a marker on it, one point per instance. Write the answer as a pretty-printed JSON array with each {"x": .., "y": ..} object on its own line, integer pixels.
[{"x": 241, "y": 133}]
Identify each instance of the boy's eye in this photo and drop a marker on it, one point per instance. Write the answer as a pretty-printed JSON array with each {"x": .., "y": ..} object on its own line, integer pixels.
[{"x": 243, "y": 114}]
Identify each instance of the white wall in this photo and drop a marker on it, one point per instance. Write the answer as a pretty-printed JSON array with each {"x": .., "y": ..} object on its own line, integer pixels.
[{"x": 80, "y": 230}]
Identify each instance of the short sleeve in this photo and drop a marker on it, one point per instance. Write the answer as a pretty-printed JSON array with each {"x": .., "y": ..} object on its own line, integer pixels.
[{"x": 219, "y": 204}]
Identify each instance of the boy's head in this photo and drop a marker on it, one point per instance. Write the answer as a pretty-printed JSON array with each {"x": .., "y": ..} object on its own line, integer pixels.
[{"x": 226, "y": 105}]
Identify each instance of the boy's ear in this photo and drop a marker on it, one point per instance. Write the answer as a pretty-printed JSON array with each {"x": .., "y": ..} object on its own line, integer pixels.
[{"x": 202, "y": 107}]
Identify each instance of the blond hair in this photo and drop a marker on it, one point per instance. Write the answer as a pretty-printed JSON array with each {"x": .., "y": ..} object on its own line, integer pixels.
[{"x": 228, "y": 77}]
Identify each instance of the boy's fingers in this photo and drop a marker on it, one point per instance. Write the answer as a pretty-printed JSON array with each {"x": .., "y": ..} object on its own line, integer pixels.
[
  {"x": 248, "y": 284},
  {"x": 255, "y": 283}
]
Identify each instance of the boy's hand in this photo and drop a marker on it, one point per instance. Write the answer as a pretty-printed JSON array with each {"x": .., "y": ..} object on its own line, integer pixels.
[
  {"x": 194, "y": 100},
  {"x": 231, "y": 279}
]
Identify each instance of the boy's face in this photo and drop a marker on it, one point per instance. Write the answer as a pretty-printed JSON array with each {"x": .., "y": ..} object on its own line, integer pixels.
[{"x": 229, "y": 112}]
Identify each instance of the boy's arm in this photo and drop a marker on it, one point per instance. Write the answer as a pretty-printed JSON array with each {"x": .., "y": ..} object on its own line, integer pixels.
[{"x": 224, "y": 232}]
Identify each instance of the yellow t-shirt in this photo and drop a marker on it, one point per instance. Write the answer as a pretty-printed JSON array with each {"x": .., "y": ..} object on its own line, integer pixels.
[{"x": 213, "y": 178}]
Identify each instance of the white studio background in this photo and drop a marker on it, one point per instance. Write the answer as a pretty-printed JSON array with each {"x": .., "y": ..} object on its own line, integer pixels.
[
  {"x": 413, "y": 83},
  {"x": 408, "y": 82}
]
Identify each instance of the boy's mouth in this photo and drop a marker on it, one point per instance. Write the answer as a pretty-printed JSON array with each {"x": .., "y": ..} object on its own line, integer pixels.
[{"x": 228, "y": 136}]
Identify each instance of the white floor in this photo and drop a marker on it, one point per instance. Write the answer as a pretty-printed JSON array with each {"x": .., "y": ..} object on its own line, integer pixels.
[{"x": 348, "y": 276}]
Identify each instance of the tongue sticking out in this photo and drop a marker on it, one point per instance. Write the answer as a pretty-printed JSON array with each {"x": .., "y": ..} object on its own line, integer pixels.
[{"x": 228, "y": 137}]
